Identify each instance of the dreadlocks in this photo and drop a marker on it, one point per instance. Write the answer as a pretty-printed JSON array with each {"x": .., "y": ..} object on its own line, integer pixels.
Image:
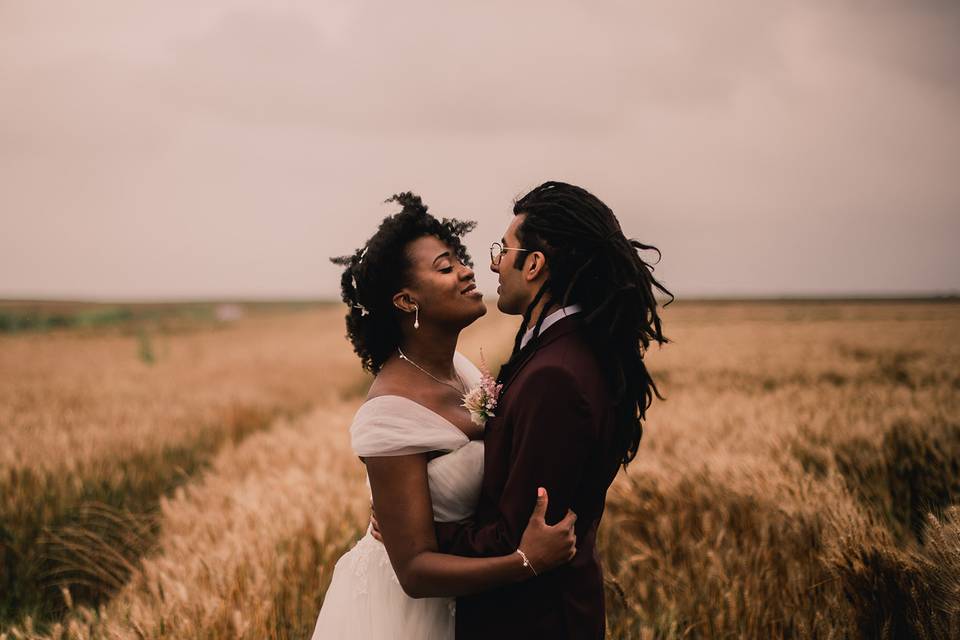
[{"x": 591, "y": 263}]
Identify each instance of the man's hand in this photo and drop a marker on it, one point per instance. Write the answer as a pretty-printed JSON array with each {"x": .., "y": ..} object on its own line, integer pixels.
[
  {"x": 374, "y": 527},
  {"x": 547, "y": 547}
]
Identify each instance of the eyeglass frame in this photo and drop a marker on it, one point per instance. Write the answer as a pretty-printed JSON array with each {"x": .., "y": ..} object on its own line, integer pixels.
[{"x": 503, "y": 251}]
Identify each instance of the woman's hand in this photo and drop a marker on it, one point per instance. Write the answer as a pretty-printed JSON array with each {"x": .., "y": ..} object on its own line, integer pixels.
[{"x": 547, "y": 547}]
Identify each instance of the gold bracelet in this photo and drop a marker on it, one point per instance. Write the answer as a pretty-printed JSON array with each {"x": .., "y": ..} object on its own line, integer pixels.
[{"x": 526, "y": 561}]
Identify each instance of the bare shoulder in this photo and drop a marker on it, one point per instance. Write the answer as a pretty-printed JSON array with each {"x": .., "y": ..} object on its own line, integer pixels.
[
  {"x": 380, "y": 387},
  {"x": 395, "y": 381}
]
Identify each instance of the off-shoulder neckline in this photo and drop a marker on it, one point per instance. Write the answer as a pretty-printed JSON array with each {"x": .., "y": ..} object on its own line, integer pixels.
[{"x": 425, "y": 408}]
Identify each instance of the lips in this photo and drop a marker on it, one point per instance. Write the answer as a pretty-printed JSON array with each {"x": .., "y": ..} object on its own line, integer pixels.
[{"x": 471, "y": 290}]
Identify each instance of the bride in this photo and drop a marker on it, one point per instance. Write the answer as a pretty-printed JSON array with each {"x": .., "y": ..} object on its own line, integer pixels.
[{"x": 411, "y": 291}]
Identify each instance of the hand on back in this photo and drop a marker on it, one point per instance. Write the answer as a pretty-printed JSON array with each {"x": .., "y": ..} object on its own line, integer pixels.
[{"x": 545, "y": 547}]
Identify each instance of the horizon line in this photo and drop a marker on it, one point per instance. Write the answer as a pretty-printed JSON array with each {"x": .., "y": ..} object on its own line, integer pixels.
[{"x": 933, "y": 296}]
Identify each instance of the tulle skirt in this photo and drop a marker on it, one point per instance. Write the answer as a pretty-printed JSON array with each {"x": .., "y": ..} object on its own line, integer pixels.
[{"x": 365, "y": 601}]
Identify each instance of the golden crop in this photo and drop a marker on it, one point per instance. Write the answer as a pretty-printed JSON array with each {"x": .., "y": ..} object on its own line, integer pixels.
[{"x": 784, "y": 488}]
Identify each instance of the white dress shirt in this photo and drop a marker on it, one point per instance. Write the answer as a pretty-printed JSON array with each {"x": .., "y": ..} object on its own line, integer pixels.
[{"x": 569, "y": 310}]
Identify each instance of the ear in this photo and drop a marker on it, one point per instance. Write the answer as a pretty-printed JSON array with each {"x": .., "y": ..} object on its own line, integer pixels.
[
  {"x": 535, "y": 267},
  {"x": 404, "y": 301}
]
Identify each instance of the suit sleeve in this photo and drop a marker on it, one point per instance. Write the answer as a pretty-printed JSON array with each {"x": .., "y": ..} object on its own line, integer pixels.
[{"x": 553, "y": 432}]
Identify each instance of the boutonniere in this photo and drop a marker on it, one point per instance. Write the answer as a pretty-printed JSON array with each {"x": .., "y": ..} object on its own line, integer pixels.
[{"x": 482, "y": 399}]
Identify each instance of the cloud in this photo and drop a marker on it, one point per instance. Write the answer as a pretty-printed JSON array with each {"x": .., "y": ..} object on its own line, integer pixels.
[
  {"x": 918, "y": 41},
  {"x": 226, "y": 130},
  {"x": 463, "y": 70}
]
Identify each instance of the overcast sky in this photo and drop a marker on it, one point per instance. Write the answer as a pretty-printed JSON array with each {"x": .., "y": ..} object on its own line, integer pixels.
[{"x": 216, "y": 149}]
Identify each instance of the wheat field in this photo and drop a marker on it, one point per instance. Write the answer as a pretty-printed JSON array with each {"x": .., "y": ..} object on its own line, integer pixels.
[{"x": 800, "y": 480}]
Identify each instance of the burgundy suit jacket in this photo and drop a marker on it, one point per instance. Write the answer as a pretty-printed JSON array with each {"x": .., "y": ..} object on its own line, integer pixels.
[{"x": 553, "y": 428}]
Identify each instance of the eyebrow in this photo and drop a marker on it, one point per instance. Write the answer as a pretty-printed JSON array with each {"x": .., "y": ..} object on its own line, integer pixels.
[
  {"x": 503, "y": 241},
  {"x": 445, "y": 254}
]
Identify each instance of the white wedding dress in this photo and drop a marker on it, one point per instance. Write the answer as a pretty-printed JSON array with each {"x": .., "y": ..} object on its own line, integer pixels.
[{"x": 365, "y": 599}]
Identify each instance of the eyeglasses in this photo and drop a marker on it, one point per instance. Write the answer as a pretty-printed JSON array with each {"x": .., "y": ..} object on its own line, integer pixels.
[{"x": 497, "y": 251}]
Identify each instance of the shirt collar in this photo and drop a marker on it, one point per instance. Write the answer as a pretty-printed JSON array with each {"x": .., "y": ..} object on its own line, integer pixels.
[{"x": 569, "y": 310}]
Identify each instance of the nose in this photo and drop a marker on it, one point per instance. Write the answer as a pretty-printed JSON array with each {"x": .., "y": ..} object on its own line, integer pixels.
[
  {"x": 494, "y": 267},
  {"x": 467, "y": 273}
]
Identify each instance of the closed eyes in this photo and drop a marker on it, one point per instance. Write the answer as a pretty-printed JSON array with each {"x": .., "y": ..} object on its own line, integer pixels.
[{"x": 450, "y": 268}]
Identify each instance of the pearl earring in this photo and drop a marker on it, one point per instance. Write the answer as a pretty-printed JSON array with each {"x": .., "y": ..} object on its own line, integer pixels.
[{"x": 416, "y": 319}]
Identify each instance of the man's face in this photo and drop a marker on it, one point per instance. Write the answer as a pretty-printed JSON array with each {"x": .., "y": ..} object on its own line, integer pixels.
[{"x": 515, "y": 292}]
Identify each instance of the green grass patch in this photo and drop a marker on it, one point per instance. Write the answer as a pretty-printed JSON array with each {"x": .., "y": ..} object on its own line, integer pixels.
[{"x": 40, "y": 316}]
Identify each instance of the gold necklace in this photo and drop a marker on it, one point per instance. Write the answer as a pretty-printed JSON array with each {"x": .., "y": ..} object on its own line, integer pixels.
[{"x": 461, "y": 391}]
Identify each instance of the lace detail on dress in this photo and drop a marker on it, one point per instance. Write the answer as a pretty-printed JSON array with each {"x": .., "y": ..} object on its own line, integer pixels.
[
  {"x": 385, "y": 562},
  {"x": 363, "y": 551},
  {"x": 361, "y": 554}
]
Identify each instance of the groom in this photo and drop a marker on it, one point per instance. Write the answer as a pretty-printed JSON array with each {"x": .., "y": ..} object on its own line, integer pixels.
[{"x": 575, "y": 391}]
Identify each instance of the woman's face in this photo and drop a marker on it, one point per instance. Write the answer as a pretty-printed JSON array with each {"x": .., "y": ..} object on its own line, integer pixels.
[{"x": 443, "y": 287}]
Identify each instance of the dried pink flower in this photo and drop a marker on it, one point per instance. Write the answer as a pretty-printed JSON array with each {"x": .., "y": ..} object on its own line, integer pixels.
[{"x": 482, "y": 399}]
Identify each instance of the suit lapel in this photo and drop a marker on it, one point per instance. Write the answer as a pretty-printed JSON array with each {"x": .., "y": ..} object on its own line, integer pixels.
[{"x": 510, "y": 369}]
